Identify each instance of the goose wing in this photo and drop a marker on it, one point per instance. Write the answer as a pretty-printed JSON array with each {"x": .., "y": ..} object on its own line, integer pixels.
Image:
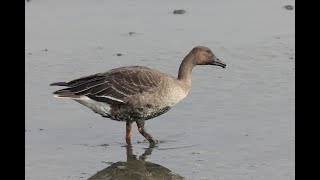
[{"x": 113, "y": 85}]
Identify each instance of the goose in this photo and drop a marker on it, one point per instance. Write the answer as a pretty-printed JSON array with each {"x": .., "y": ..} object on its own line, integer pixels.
[{"x": 136, "y": 93}]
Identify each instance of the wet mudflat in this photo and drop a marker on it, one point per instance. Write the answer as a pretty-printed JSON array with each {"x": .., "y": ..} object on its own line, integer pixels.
[{"x": 236, "y": 123}]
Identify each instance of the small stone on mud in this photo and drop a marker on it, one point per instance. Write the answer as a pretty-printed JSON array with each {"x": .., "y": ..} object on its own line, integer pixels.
[
  {"x": 144, "y": 141},
  {"x": 104, "y": 145},
  {"x": 41, "y": 129},
  {"x": 246, "y": 134},
  {"x": 179, "y": 11},
  {"x": 131, "y": 33},
  {"x": 119, "y": 54},
  {"x": 288, "y": 7},
  {"x": 45, "y": 50}
]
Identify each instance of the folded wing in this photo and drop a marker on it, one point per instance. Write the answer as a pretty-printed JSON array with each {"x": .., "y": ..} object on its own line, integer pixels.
[{"x": 112, "y": 86}]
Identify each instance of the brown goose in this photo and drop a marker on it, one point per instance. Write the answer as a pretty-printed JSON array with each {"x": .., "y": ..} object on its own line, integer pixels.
[{"x": 136, "y": 93}]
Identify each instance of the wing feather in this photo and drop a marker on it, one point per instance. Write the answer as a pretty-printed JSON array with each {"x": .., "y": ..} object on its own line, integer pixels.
[{"x": 115, "y": 84}]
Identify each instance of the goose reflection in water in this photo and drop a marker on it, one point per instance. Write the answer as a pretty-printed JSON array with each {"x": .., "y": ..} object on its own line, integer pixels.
[{"x": 136, "y": 168}]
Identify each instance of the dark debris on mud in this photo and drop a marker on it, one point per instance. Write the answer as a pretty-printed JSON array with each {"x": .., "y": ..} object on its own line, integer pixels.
[
  {"x": 288, "y": 7},
  {"x": 179, "y": 11},
  {"x": 104, "y": 145}
]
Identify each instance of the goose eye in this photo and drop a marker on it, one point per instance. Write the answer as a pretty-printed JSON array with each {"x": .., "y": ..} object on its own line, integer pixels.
[{"x": 208, "y": 51}]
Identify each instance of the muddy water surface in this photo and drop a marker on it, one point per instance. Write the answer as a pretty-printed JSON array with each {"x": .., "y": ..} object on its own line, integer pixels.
[{"x": 236, "y": 123}]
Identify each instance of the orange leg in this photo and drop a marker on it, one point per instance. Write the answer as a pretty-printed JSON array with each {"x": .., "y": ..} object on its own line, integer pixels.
[
  {"x": 143, "y": 132},
  {"x": 128, "y": 133}
]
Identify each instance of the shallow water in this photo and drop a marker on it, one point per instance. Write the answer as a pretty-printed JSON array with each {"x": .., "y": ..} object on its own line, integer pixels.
[{"x": 236, "y": 123}]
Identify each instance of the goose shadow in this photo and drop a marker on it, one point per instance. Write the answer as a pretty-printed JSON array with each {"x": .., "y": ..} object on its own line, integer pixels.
[{"x": 136, "y": 168}]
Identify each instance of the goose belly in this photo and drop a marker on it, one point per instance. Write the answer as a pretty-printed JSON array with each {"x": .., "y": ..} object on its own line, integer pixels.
[
  {"x": 123, "y": 112},
  {"x": 148, "y": 112},
  {"x": 145, "y": 106}
]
